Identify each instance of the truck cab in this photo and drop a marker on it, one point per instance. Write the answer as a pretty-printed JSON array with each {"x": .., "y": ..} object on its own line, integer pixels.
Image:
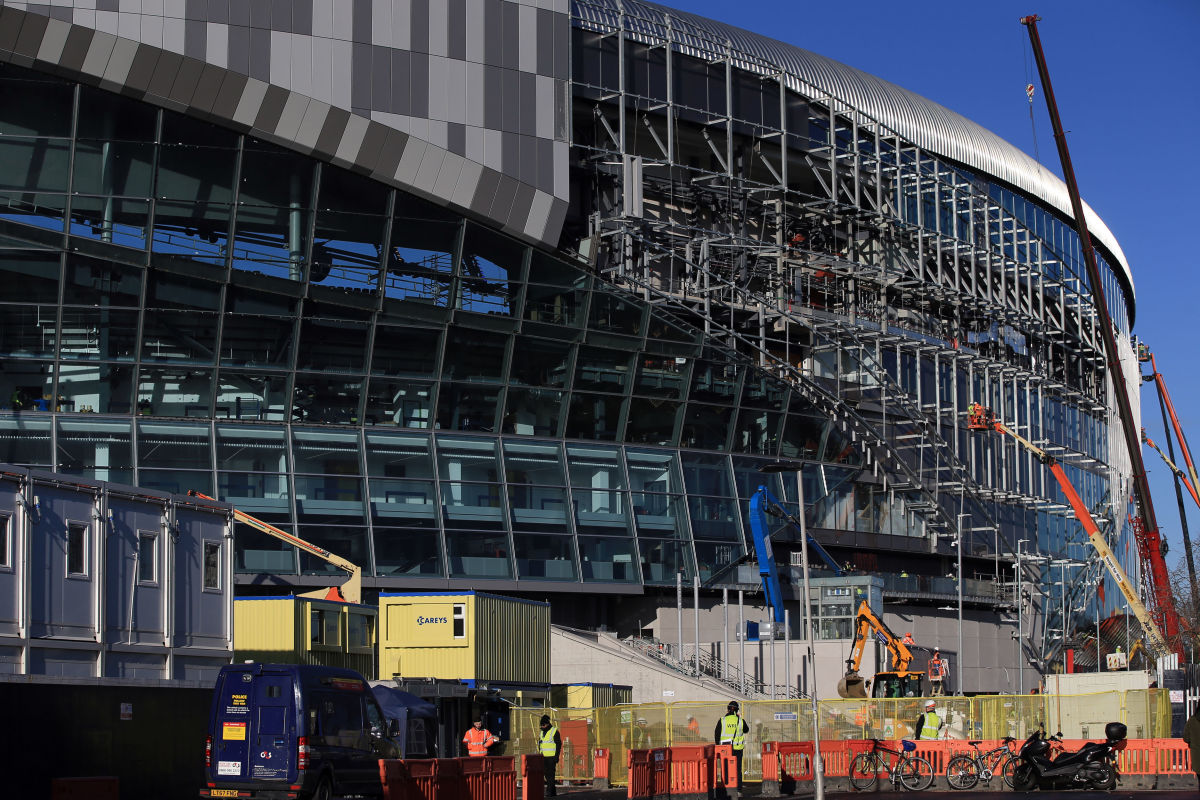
[{"x": 292, "y": 732}]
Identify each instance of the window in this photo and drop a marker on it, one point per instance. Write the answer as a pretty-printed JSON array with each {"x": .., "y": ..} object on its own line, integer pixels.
[
  {"x": 361, "y": 632},
  {"x": 212, "y": 565},
  {"x": 325, "y": 627},
  {"x": 460, "y": 621},
  {"x": 77, "y": 543},
  {"x": 147, "y": 557},
  {"x": 5, "y": 540}
]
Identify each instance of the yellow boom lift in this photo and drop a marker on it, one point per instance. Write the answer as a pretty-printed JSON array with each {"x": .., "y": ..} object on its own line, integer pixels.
[
  {"x": 982, "y": 419},
  {"x": 899, "y": 681},
  {"x": 348, "y": 592}
]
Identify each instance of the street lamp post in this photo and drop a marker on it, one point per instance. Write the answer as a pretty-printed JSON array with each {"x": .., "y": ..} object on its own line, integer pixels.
[
  {"x": 959, "y": 659},
  {"x": 818, "y": 767}
]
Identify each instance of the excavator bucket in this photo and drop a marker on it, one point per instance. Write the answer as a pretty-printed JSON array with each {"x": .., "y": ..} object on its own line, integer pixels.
[{"x": 852, "y": 685}]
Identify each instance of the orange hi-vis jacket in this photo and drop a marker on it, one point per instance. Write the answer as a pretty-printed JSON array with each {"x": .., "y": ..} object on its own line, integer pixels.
[{"x": 478, "y": 741}]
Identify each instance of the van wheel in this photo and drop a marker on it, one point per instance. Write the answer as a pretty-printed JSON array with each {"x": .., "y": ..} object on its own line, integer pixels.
[{"x": 324, "y": 790}]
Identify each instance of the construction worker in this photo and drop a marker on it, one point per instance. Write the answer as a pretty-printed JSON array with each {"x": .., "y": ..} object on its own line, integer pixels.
[
  {"x": 928, "y": 724},
  {"x": 478, "y": 739},
  {"x": 550, "y": 745},
  {"x": 937, "y": 671},
  {"x": 908, "y": 639},
  {"x": 641, "y": 735},
  {"x": 732, "y": 729}
]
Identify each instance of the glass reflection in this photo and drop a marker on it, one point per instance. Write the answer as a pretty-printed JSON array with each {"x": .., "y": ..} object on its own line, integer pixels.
[
  {"x": 606, "y": 559},
  {"x": 478, "y": 554},
  {"x": 544, "y": 558},
  {"x": 403, "y": 552}
]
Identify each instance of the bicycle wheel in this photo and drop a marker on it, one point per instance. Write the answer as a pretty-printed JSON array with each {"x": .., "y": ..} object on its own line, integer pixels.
[
  {"x": 1008, "y": 770},
  {"x": 915, "y": 773},
  {"x": 962, "y": 772},
  {"x": 864, "y": 771}
]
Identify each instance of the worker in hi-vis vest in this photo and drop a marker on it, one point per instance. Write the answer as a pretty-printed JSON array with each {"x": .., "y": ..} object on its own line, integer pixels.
[
  {"x": 732, "y": 729},
  {"x": 549, "y": 745},
  {"x": 478, "y": 739},
  {"x": 928, "y": 724}
]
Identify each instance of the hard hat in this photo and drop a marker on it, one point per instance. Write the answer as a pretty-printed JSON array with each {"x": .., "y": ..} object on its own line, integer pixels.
[
  {"x": 733, "y": 706},
  {"x": 930, "y": 704},
  {"x": 641, "y": 720}
]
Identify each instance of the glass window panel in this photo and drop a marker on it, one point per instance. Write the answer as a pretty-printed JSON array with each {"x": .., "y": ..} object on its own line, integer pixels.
[
  {"x": 403, "y": 403},
  {"x": 320, "y": 399},
  {"x": 332, "y": 345},
  {"x": 533, "y": 412},
  {"x": 556, "y": 305},
  {"x": 194, "y": 172},
  {"x": 183, "y": 129},
  {"x": 403, "y": 502},
  {"x": 594, "y": 467},
  {"x": 659, "y": 514},
  {"x": 95, "y": 388},
  {"x": 92, "y": 282},
  {"x": 608, "y": 559},
  {"x": 421, "y": 259},
  {"x": 27, "y": 330},
  {"x": 272, "y": 176},
  {"x": 661, "y": 377},
  {"x": 714, "y": 518},
  {"x": 414, "y": 553},
  {"x": 615, "y": 314},
  {"x": 757, "y": 431},
  {"x": 714, "y": 381},
  {"x": 252, "y": 396},
  {"x": 594, "y": 416},
  {"x": 258, "y": 329},
  {"x": 198, "y": 231},
  {"x": 95, "y": 448},
  {"x": 491, "y": 266},
  {"x": 471, "y": 356},
  {"x": 803, "y": 436},
  {"x": 549, "y": 271},
  {"x": 706, "y": 427},
  {"x": 25, "y": 442},
  {"x": 706, "y": 474},
  {"x": 477, "y": 554},
  {"x": 347, "y": 250},
  {"x": 336, "y": 499},
  {"x": 33, "y": 104},
  {"x": 187, "y": 337},
  {"x": 714, "y": 558},
  {"x": 663, "y": 558},
  {"x": 405, "y": 351},
  {"x": 325, "y": 452},
  {"x": 174, "y": 445},
  {"x": 761, "y": 391},
  {"x": 538, "y": 508},
  {"x": 113, "y": 168},
  {"x": 540, "y": 362},
  {"x": 472, "y": 505},
  {"x": 255, "y": 551},
  {"x": 392, "y": 455},
  {"x": 242, "y": 448},
  {"x": 29, "y": 276},
  {"x": 264, "y": 495},
  {"x": 653, "y": 471},
  {"x": 349, "y": 541},
  {"x": 109, "y": 116},
  {"x": 165, "y": 290},
  {"x": 467, "y": 459},
  {"x": 271, "y": 240},
  {"x": 603, "y": 370},
  {"x": 174, "y": 392},
  {"x": 27, "y": 208},
  {"x": 652, "y": 421},
  {"x": 533, "y": 462},
  {"x": 175, "y": 481},
  {"x": 467, "y": 407},
  {"x": 548, "y": 558},
  {"x": 34, "y": 165},
  {"x": 120, "y": 221}
]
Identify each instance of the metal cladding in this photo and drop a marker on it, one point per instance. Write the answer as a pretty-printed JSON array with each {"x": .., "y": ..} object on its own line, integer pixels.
[{"x": 917, "y": 119}]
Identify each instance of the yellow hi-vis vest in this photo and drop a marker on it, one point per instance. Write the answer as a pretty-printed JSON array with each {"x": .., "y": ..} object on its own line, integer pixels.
[
  {"x": 930, "y": 729},
  {"x": 549, "y": 750},
  {"x": 731, "y": 731}
]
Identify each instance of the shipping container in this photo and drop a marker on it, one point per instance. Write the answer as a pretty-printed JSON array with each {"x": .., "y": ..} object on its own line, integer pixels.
[
  {"x": 305, "y": 630},
  {"x": 589, "y": 695}
]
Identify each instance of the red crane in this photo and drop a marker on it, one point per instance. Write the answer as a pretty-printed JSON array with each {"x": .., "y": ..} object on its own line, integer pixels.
[{"x": 1162, "y": 602}]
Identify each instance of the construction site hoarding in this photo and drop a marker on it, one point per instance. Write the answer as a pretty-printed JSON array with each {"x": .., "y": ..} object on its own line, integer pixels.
[
  {"x": 469, "y": 636},
  {"x": 305, "y": 630}
]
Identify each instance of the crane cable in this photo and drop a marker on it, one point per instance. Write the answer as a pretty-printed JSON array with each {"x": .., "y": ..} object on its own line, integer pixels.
[{"x": 1029, "y": 92}]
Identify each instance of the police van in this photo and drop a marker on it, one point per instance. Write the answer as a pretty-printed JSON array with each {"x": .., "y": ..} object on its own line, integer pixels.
[{"x": 294, "y": 731}]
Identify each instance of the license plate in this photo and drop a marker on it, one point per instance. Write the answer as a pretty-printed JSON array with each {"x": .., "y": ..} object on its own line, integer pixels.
[{"x": 223, "y": 793}]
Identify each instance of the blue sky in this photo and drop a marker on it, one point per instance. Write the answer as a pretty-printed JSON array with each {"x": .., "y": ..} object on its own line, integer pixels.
[{"x": 1125, "y": 80}]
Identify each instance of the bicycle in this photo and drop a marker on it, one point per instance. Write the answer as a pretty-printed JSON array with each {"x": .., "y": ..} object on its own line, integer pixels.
[
  {"x": 910, "y": 771},
  {"x": 966, "y": 769}
]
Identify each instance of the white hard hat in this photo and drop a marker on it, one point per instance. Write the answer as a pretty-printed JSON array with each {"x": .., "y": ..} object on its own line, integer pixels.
[{"x": 930, "y": 704}]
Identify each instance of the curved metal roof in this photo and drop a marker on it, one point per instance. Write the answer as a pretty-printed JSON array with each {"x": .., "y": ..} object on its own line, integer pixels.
[{"x": 927, "y": 124}]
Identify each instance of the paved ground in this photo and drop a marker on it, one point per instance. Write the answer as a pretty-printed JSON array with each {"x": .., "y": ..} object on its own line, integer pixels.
[{"x": 974, "y": 794}]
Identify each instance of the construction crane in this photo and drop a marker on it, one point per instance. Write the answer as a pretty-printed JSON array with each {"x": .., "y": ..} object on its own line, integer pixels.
[
  {"x": 348, "y": 592},
  {"x": 1148, "y": 538},
  {"x": 899, "y": 681},
  {"x": 982, "y": 419},
  {"x": 762, "y": 503}
]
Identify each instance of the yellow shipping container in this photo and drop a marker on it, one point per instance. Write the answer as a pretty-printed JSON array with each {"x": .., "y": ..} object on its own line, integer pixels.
[
  {"x": 589, "y": 695},
  {"x": 469, "y": 636},
  {"x": 305, "y": 630}
]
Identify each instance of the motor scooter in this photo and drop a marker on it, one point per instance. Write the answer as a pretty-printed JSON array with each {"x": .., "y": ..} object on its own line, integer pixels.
[{"x": 1093, "y": 766}]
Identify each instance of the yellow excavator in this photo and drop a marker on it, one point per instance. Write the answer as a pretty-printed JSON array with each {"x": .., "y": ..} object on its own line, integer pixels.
[
  {"x": 348, "y": 592},
  {"x": 900, "y": 681}
]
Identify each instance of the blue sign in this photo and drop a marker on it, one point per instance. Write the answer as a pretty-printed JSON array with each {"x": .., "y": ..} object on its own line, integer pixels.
[{"x": 785, "y": 716}]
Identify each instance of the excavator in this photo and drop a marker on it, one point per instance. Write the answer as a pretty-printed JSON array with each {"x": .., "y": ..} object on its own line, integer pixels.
[
  {"x": 348, "y": 592},
  {"x": 980, "y": 418},
  {"x": 900, "y": 681}
]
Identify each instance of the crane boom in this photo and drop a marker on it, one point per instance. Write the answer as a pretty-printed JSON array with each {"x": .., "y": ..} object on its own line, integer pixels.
[
  {"x": 981, "y": 419},
  {"x": 351, "y": 590}
]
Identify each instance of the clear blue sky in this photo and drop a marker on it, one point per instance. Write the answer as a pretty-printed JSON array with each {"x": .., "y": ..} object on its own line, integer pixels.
[{"x": 1125, "y": 76}]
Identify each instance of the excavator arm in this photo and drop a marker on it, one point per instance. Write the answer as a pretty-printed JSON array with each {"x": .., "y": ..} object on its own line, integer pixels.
[
  {"x": 866, "y": 624},
  {"x": 980, "y": 419},
  {"x": 350, "y": 591}
]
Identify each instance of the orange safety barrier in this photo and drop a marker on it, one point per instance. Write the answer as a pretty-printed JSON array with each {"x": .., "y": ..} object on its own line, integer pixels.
[
  {"x": 475, "y": 777},
  {"x": 660, "y": 757},
  {"x": 1174, "y": 756},
  {"x": 691, "y": 768},
  {"x": 448, "y": 779},
  {"x": 533, "y": 778},
  {"x": 105, "y": 788},
  {"x": 502, "y": 779},
  {"x": 641, "y": 778},
  {"x": 393, "y": 775},
  {"x": 601, "y": 759},
  {"x": 726, "y": 765}
]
